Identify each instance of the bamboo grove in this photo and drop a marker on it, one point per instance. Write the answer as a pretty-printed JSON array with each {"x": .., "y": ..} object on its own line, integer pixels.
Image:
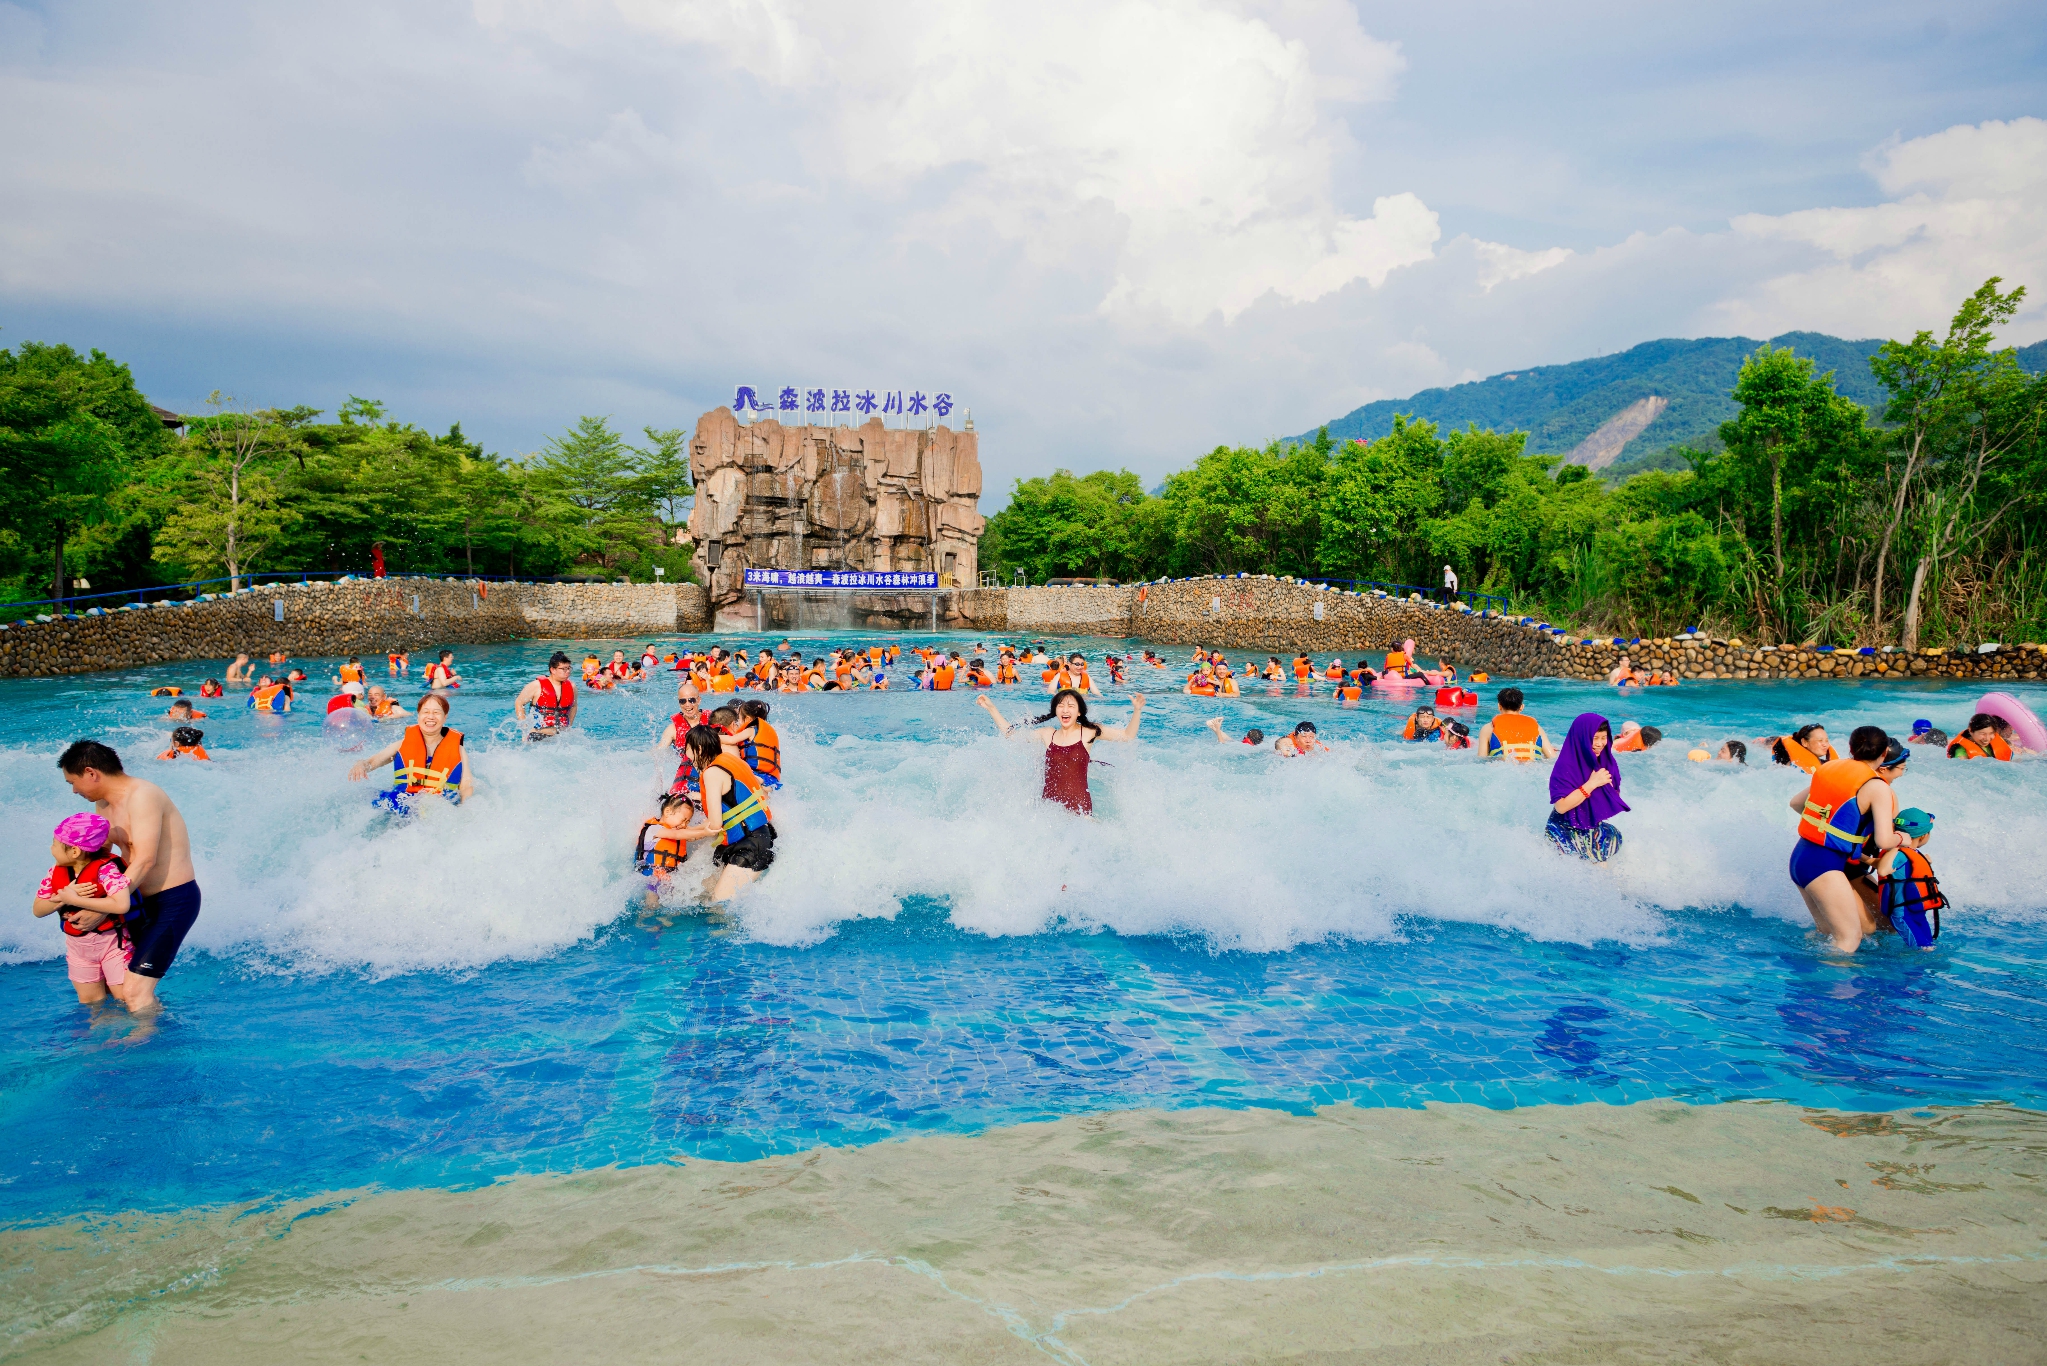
[{"x": 1816, "y": 520}]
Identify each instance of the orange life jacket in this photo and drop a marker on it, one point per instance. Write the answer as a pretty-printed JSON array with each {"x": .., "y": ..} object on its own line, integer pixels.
[
  {"x": 941, "y": 678},
  {"x": 746, "y": 805},
  {"x": 1803, "y": 758},
  {"x": 1833, "y": 792},
  {"x": 1395, "y": 660},
  {"x": 189, "y": 751},
  {"x": 1006, "y": 671},
  {"x": 1629, "y": 743},
  {"x": 1971, "y": 750},
  {"x": 351, "y": 673},
  {"x": 1302, "y": 668},
  {"x": 414, "y": 771},
  {"x": 1201, "y": 686},
  {"x": 1515, "y": 736},
  {"x": 764, "y": 751},
  {"x": 1334, "y": 672},
  {"x": 665, "y": 857}
]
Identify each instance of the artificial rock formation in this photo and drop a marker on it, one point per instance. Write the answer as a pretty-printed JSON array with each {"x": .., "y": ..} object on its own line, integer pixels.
[{"x": 865, "y": 498}]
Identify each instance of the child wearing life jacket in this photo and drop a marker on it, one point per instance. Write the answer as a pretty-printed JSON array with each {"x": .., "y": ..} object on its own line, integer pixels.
[
  {"x": 1982, "y": 738},
  {"x": 1422, "y": 727},
  {"x": 351, "y": 672},
  {"x": 182, "y": 710},
  {"x": 1253, "y": 737},
  {"x": 1456, "y": 735},
  {"x": 1907, "y": 890},
  {"x": 87, "y": 889},
  {"x": 270, "y": 696},
  {"x": 659, "y": 857},
  {"x": 1512, "y": 735},
  {"x": 185, "y": 743},
  {"x": 211, "y": 688},
  {"x": 1635, "y": 738}
]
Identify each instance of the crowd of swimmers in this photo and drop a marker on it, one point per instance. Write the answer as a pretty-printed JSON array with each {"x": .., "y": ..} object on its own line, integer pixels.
[{"x": 122, "y": 885}]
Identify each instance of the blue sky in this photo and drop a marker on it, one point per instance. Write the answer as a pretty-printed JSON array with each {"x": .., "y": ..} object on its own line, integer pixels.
[{"x": 1121, "y": 231}]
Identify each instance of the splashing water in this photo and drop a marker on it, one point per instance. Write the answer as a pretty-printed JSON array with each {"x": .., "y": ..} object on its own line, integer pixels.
[{"x": 936, "y": 948}]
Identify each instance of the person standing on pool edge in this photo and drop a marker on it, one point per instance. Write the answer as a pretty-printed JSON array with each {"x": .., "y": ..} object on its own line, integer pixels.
[
  {"x": 1585, "y": 790},
  {"x": 157, "y": 848},
  {"x": 552, "y": 697},
  {"x": 1846, "y": 811},
  {"x": 1067, "y": 747}
]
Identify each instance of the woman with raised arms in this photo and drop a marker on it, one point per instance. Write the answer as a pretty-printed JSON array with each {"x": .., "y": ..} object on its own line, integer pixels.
[{"x": 1068, "y": 745}]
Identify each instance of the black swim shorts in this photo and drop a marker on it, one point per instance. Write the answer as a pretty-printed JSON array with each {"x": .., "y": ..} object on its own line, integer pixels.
[
  {"x": 754, "y": 852},
  {"x": 160, "y": 926}
]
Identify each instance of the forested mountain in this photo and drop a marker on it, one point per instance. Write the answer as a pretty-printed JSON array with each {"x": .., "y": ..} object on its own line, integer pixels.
[
  {"x": 1561, "y": 406},
  {"x": 1856, "y": 493}
]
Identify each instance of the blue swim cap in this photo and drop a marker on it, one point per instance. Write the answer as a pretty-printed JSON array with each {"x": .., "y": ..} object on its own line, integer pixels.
[{"x": 1921, "y": 726}]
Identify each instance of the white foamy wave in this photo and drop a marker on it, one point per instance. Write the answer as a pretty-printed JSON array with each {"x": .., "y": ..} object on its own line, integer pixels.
[{"x": 1236, "y": 847}]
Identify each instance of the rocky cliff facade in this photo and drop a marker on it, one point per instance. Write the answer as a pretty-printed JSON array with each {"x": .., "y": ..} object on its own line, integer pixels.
[{"x": 866, "y": 498}]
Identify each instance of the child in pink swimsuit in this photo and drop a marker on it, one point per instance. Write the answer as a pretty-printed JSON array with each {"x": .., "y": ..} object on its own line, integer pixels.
[{"x": 88, "y": 891}]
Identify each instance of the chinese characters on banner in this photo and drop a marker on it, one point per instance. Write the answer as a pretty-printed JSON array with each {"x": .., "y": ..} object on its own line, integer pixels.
[
  {"x": 790, "y": 399},
  {"x": 839, "y": 578}
]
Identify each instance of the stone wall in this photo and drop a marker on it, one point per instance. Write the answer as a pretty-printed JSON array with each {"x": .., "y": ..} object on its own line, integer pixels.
[
  {"x": 355, "y": 616},
  {"x": 1277, "y": 615}
]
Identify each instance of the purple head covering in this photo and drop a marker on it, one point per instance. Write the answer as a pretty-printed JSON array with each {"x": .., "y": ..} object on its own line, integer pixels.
[
  {"x": 86, "y": 831},
  {"x": 1575, "y": 764}
]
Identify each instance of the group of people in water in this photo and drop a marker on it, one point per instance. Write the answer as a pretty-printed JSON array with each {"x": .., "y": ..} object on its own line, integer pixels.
[{"x": 123, "y": 888}]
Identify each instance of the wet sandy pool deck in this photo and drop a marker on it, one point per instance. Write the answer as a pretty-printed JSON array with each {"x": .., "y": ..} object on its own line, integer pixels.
[{"x": 1746, "y": 1232}]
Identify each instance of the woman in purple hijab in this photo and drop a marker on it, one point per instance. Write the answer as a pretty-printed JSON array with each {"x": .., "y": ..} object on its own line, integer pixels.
[{"x": 1584, "y": 790}]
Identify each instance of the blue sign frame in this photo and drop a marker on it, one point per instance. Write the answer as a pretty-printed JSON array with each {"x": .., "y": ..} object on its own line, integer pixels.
[{"x": 840, "y": 578}]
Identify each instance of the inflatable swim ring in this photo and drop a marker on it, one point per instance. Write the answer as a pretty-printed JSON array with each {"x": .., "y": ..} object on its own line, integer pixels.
[
  {"x": 2024, "y": 724},
  {"x": 346, "y": 729},
  {"x": 1456, "y": 697}
]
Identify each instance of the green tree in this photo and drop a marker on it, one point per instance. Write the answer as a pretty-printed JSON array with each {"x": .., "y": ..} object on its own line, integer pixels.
[
  {"x": 1070, "y": 525},
  {"x": 591, "y": 469},
  {"x": 228, "y": 512},
  {"x": 73, "y": 430}
]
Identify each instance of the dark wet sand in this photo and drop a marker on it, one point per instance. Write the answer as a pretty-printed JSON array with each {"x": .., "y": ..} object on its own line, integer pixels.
[{"x": 1653, "y": 1233}]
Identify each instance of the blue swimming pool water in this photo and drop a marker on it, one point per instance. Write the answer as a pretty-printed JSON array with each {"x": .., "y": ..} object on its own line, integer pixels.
[{"x": 474, "y": 994}]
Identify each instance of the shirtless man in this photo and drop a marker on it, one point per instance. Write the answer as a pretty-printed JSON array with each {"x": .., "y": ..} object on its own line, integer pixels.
[
  {"x": 241, "y": 671},
  {"x": 150, "y": 831}
]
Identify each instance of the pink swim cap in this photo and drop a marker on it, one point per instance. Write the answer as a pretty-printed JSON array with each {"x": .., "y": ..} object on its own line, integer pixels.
[{"x": 86, "y": 830}]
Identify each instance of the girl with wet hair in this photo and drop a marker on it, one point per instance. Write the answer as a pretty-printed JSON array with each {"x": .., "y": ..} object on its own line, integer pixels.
[{"x": 1068, "y": 744}]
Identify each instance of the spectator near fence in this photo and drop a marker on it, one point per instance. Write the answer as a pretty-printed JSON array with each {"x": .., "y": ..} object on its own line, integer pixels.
[{"x": 1449, "y": 584}]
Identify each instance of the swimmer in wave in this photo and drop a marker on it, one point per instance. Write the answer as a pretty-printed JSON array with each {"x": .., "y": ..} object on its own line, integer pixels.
[
  {"x": 1068, "y": 746},
  {"x": 552, "y": 697}
]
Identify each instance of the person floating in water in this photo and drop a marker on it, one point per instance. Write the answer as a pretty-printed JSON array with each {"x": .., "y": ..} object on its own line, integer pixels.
[
  {"x": 1848, "y": 810},
  {"x": 241, "y": 671},
  {"x": 183, "y": 711},
  {"x": 552, "y": 697},
  {"x": 1300, "y": 743},
  {"x": 187, "y": 742},
  {"x": 1985, "y": 737},
  {"x": 1068, "y": 746},
  {"x": 441, "y": 675},
  {"x": 87, "y": 890},
  {"x": 1253, "y": 737},
  {"x": 1805, "y": 748},
  {"x": 427, "y": 758},
  {"x": 1585, "y": 791},
  {"x": 1907, "y": 889}
]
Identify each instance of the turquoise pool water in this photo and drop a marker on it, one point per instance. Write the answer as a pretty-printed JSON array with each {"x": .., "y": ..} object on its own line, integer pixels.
[{"x": 475, "y": 994}]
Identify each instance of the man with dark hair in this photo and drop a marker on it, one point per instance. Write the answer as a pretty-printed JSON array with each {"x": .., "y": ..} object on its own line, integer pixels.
[
  {"x": 150, "y": 832},
  {"x": 552, "y": 697},
  {"x": 1511, "y": 735}
]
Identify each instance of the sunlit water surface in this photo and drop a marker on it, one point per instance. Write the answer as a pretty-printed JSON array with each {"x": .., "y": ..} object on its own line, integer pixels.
[{"x": 478, "y": 993}]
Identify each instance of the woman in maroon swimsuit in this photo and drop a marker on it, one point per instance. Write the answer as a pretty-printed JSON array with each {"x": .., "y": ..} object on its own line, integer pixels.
[{"x": 1067, "y": 745}]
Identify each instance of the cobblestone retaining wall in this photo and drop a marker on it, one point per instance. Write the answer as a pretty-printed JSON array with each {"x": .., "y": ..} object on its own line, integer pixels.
[
  {"x": 1278, "y": 615},
  {"x": 352, "y": 617}
]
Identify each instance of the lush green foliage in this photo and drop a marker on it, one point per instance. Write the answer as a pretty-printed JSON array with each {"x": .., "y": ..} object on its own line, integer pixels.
[
  {"x": 1805, "y": 521},
  {"x": 103, "y": 491}
]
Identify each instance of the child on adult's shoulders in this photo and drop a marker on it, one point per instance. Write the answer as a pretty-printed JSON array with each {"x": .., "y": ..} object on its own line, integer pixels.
[{"x": 87, "y": 889}]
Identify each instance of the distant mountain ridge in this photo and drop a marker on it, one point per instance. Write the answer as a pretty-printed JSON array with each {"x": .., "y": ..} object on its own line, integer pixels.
[{"x": 1628, "y": 411}]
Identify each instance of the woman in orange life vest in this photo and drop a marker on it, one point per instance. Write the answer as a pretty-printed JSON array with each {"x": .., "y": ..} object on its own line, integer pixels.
[
  {"x": 760, "y": 745},
  {"x": 1334, "y": 672},
  {"x": 1805, "y": 748},
  {"x": 1845, "y": 812},
  {"x": 425, "y": 759},
  {"x": 1982, "y": 738},
  {"x": 1005, "y": 672},
  {"x": 735, "y": 811},
  {"x": 1303, "y": 741},
  {"x": 1273, "y": 672},
  {"x": 552, "y": 697},
  {"x": 1068, "y": 746},
  {"x": 186, "y": 743}
]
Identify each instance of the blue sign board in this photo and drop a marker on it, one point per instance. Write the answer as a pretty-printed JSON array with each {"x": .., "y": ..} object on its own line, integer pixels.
[
  {"x": 766, "y": 398},
  {"x": 839, "y": 578}
]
